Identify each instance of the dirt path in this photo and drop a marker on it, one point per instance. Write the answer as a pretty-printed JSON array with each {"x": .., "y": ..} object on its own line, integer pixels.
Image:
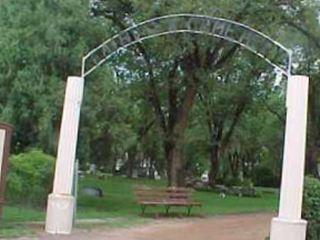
[{"x": 233, "y": 227}]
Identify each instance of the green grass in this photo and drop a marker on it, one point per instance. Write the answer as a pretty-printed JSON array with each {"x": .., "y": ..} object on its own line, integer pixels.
[
  {"x": 15, "y": 230},
  {"x": 119, "y": 201},
  {"x": 15, "y": 221},
  {"x": 21, "y": 214},
  {"x": 117, "y": 208}
]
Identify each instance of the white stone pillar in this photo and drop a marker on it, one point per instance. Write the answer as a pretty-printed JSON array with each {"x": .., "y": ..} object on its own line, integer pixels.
[
  {"x": 289, "y": 225},
  {"x": 61, "y": 202}
]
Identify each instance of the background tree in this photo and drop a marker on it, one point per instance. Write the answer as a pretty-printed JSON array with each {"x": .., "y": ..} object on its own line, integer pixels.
[{"x": 182, "y": 103}]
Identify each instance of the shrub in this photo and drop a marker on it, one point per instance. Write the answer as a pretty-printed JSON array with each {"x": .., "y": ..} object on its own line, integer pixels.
[
  {"x": 247, "y": 183},
  {"x": 264, "y": 177},
  {"x": 29, "y": 178},
  {"x": 232, "y": 181},
  {"x": 311, "y": 207}
]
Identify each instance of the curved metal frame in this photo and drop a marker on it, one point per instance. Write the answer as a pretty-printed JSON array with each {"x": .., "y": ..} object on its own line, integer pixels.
[
  {"x": 59, "y": 221},
  {"x": 206, "y": 25}
]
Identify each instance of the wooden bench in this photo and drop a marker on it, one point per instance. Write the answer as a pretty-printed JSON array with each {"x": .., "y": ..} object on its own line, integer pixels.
[{"x": 167, "y": 197}]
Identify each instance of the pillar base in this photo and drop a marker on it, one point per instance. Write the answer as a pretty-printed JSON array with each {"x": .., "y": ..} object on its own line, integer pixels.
[
  {"x": 282, "y": 229},
  {"x": 59, "y": 218}
]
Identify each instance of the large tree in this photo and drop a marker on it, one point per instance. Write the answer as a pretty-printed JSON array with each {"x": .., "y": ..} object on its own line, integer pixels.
[
  {"x": 225, "y": 96},
  {"x": 184, "y": 64}
]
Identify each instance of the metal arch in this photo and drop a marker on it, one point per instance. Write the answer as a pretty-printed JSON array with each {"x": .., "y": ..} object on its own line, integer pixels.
[{"x": 206, "y": 25}]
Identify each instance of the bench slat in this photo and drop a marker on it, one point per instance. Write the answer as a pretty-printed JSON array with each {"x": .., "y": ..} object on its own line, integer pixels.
[{"x": 179, "y": 197}]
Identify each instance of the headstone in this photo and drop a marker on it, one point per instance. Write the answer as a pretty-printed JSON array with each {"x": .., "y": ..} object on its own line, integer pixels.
[
  {"x": 92, "y": 191},
  {"x": 157, "y": 176},
  {"x": 135, "y": 173},
  {"x": 92, "y": 169},
  {"x": 205, "y": 177}
]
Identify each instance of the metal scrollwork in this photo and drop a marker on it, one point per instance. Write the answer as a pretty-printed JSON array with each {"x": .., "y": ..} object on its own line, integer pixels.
[{"x": 260, "y": 44}]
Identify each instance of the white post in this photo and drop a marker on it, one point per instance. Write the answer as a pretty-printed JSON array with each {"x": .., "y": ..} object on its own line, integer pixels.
[
  {"x": 289, "y": 225},
  {"x": 61, "y": 202}
]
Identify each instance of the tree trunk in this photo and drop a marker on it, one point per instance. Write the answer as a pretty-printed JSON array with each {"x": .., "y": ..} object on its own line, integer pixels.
[
  {"x": 313, "y": 148},
  {"x": 216, "y": 132},
  {"x": 234, "y": 162},
  {"x": 214, "y": 161},
  {"x": 177, "y": 168},
  {"x": 168, "y": 149},
  {"x": 312, "y": 156},
  {"x": 130, "y": 164},
  {"x": 114, "y": 166},
  {"x": 175, "y": 165}
]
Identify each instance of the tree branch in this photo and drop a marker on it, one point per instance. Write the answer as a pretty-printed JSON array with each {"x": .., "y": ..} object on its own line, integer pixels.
[
  {"x": 153, "y": 93},
  {"x": 309, "y": 35}
]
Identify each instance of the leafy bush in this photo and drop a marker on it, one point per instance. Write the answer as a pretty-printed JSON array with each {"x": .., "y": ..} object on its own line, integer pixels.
[
  {"x": 264, "y": 177},
  {"x": 247, "y": 183},
  {"x": 311, "y": 207},
  {"x": 232, "y": 181},
  {"x": 29, "y": 178}
]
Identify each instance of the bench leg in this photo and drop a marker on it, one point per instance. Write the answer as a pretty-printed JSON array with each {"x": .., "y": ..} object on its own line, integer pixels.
[
  {"x": 143, "y": 209},
  {"x": 189, "y": 210},
  {"x": 167, "y": 210}
]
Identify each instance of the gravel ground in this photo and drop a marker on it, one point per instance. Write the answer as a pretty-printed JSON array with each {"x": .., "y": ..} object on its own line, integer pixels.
[{"x": 231, "y": 227}]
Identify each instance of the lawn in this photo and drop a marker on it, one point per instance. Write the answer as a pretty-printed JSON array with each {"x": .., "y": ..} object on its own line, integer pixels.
[
  {"x": 117, "y": 208},
  {"x": 119, "y": 200}
]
